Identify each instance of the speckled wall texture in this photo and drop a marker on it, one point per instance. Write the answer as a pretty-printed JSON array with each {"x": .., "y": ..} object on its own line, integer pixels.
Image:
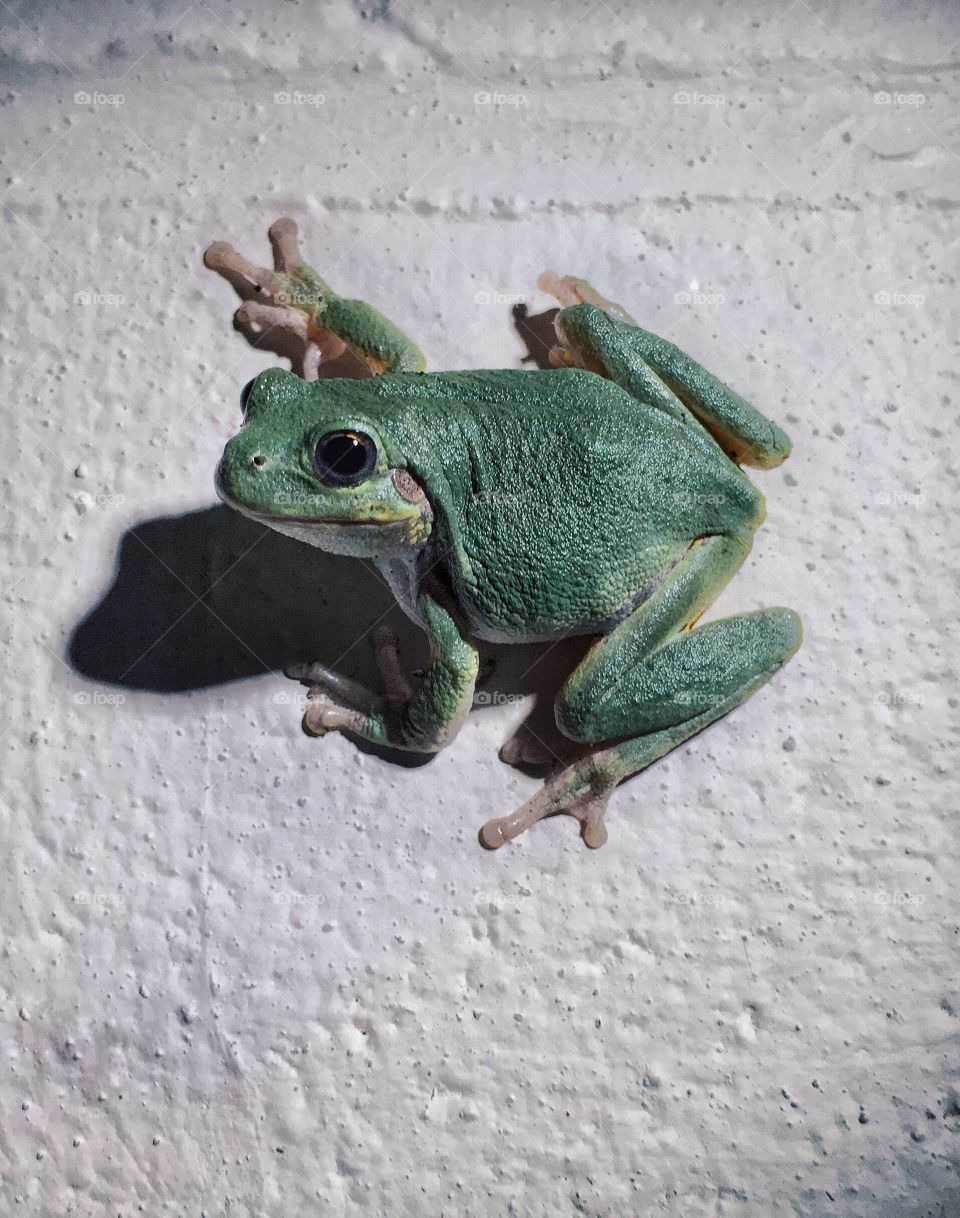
[{"x": 250, "y": 974}]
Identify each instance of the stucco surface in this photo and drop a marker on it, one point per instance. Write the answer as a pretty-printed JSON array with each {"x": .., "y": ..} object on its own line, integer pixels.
[{"x": 249, "y": 973}]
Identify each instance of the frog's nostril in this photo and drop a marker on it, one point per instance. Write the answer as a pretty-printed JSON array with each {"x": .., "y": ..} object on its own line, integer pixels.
[{"x": 259, "y": 460}]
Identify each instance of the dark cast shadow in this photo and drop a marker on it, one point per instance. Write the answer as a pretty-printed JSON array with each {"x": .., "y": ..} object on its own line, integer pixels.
[
  {"x": 537, "y": 333},
  {"x": 209, "y": 597}
]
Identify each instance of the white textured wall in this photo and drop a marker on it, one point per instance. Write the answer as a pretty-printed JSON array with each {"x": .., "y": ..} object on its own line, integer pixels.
[{"x": 247, "y": 973}]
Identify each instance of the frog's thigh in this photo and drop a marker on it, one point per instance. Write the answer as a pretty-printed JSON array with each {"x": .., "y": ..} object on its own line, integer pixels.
[
  {"x": 654, "y": 672},
  {"x": 694, "y": 678},
  {"x": 659, "y": 372},
  {"x": 595, "y": 688}
]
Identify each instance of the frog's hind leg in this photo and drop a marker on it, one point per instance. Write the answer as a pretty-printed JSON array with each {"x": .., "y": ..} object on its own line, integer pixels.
[
  {"x": 654, "y": 682},
  {"x": 583, "y": 790},
  {"x": 595, "y": 334}
]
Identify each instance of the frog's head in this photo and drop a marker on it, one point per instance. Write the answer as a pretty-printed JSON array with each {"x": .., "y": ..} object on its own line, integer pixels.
[{"x": 309, "y": 462}]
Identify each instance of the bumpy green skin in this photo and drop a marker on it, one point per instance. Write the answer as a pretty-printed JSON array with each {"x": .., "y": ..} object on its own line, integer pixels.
[
  {"x": 531, "y": 505},
  {"x": 557, "y": 498}
]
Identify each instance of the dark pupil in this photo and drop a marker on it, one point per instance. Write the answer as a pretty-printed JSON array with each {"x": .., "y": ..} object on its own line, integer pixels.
[{"x": 344, "y": 457}]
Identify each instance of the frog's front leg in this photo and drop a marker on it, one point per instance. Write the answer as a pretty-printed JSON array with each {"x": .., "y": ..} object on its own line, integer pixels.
[
  {"x": 294, "y": 305},
  {"x": 421, "y": 721},
  {"x": 570, "y": 290},
  {"x": 331, "y": 691},
  {"x": 654, "y": 682}
]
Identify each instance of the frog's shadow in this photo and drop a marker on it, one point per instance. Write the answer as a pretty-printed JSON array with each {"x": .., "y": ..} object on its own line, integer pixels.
[{"x": 210, "y": 597}]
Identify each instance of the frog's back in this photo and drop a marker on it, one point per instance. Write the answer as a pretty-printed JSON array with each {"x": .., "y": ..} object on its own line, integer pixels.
[{"x": 559, "y": 499}]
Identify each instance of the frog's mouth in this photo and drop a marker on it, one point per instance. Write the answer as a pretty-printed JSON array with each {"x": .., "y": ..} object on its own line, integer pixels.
[
  {"x": 391, "y": 534},
  {"x": 320, "y": 522},
  {"x": 357, "y": 538},
  {"x": 401, "y": 520}
]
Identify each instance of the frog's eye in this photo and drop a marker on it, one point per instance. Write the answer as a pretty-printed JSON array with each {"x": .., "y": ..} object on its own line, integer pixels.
[
  {"x": 344, "y": 458},
  {"x": 245, "y": 396}
]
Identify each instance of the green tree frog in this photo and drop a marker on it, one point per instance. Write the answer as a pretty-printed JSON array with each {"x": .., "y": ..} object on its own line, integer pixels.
[{"x": 600, "y": 497}]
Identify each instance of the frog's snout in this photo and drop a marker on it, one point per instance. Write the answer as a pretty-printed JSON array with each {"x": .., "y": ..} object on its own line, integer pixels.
[
  {"x": 239, "y": 472},
  {"x": 221, "y": 481}
]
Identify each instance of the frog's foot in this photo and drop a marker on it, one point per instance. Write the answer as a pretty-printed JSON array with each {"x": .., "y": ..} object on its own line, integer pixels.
[
  {"x": 280, "y": 307},
  {"x": 569, "y": 290},
  {"x": 294, "y": 307},
  {"x": 581, "y": 790},
  {"x": 338, "y": 703}
]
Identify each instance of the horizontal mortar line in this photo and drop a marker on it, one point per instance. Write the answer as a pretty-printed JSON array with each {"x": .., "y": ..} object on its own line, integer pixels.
[
  {"x": 564, "y": 71},
  {"x": 502, "y": 209},
  {"x": 521, "y": 210}
]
